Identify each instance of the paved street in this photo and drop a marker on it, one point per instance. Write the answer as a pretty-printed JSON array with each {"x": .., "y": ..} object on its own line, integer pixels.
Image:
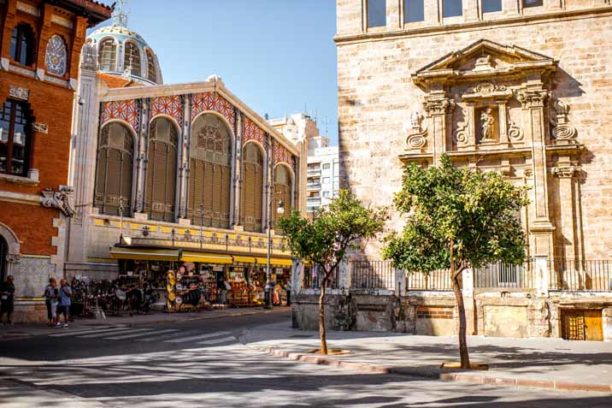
[{"x": 202, "y": 363}]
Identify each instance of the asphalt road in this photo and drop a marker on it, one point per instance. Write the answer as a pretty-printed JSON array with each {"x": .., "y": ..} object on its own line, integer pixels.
[{"x": 203, "y": 364}]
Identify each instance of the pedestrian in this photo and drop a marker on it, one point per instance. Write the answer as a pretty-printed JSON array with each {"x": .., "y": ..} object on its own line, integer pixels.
[
  {"x": 7, "y": 298},
  {"x": 65, "y": 295},
  {"x": 288, "y": 289},
  {"x": 51, "y": 301}
]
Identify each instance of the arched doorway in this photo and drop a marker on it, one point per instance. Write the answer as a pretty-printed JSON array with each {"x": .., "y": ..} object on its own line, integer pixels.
[{"x": 3, "y": 258}]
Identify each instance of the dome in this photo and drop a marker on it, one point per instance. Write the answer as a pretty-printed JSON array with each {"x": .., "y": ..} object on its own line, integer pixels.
[{"x": 124, "y": 53}]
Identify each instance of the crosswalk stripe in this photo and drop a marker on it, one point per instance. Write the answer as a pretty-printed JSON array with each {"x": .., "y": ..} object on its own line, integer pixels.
[
  {"x": 82, "y": 331},
  {"x": 200, "y": 337},
  {"x": 131, "y": 336},
  {"x": 217, "y": 341},
  {"x": 111, "y": 332},
  {"x": 75, "y": 332}
]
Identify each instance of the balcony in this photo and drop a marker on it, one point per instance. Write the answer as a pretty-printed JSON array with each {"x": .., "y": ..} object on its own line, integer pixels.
[{"x": 313, "y": 186}]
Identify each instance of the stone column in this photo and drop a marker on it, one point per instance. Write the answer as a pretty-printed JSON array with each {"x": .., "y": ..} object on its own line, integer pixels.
[
  {"x": 541, "y": 275},
  {"x": 237, "y": 182},
  {"x": 184, "y": 163},
  {"x": 468, "y": 300},
  {"x": 400, "y": 282},
  {"x": 437, "y": 106},
  {"x": 569, "y": 232},
  {"x": 268, "y": 186},
  {"x": 503, "y": 123},
  {"x": 142, "y": 156},
  {"x": 344, "y": 275},
  {"x": 533, "y": 99}
]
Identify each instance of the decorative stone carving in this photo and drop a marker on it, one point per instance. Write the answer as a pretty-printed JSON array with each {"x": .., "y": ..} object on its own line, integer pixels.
[
  {"x": 483, "y": 63},
  {"x": 19, "y": 93},
  {"x": 89, "y": 58},
  {"x": 487, "y": 123},
  {"x": 532, "y": 98},
  {"x": 562, "y": 130},
  {"x": 515, "y": 134},
  {"x": 437, "y": 105},
  {"x": 13, "y": 258},
  {"x": 461, "y": 133},
  {"x": 566, "y": 170},
  {"x": 486, "y": 88},
  {"x": 417, "y": 136},
  {"x": 58, "y": 199},
  {"x": 40, "y": 128}
]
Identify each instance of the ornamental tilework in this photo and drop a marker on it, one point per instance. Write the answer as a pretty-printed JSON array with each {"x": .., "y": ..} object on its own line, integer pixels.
[
  {"x": 212, "y": 101},
  {"x": 252, "y": 132},
  {"x": 281, "y": 154},
  {"x": 127, "y": 111},
  {"x": 56, "y": 55},
  {"x": 168, "y": 105}
]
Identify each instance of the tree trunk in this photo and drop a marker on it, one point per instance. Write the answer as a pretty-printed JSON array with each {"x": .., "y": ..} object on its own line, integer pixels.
[
  {"x": 322, "y": 336},
  {"x": 463, "y": 349}
]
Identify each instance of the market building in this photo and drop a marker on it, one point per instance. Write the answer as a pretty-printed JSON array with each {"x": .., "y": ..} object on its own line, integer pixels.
[
  {"x": 517, "y": 87},
  {"x": 40, "y": 48},
  {"x": 182, "y": 177}
]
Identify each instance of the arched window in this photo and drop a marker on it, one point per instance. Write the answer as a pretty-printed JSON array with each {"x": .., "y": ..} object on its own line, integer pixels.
[
  {"x": 151, "y": 70},
  {"x": 131, "y": 59},
  {"x": 3, "y": 260},
  {"x": 283, "y": 186},
  {"x": 56, "y": 56},
  {"x": 113, "y": 189},
  {"x": 15, "y": 138},
  {"x": 252, "y": 187},
  {"x": 210, "y": 172},
  {"x": 107, "y": 55},
  {"x": 161, "y": 170},
  {"x": 23, "y": 45}
]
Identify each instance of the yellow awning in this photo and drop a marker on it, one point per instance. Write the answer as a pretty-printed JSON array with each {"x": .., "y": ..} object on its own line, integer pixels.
[
  {"x": 245, "y": 259},
  {"x": 145, "y": 254},
  {"x": 275, "y": 261},
  {"x": 201, "y": 257}
]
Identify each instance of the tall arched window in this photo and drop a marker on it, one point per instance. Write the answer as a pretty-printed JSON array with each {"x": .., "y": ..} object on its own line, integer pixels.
[
  {"x": 210, "y": 172},
  {"x": 3, "y": 260},
  {"x": 23, "y": 44},
  {"x": 15, "y": 138},
  {"x": 107, "y": 55},
  {"x": 56, "y": 56},
  {"x": 113, "y": 189},
  {"x": 283, "y": 186},
  {"x": 132, "y": 58},
  {"x": 161, "y": 170},
  {"x": 151, "y": 70},
  {"x": 252, "y": 187}
]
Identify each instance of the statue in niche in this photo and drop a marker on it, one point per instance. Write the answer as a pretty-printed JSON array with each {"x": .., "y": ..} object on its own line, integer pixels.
[{"x": 487, "y": 122}]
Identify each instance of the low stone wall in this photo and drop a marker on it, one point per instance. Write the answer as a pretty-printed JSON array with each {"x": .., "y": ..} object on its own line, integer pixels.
[{"x": 492, "y": 314}]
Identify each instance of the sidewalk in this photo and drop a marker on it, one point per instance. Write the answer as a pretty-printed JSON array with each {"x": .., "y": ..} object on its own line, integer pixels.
[
  {"x": 541, "y": 363},
  {"x": 28, "y": 330}
]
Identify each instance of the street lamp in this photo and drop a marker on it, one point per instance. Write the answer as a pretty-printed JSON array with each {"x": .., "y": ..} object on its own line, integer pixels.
[{"x": 280, "y": 210}]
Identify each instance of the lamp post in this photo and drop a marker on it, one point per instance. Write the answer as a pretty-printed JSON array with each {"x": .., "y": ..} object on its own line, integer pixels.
[{"x": 280, "y": 210}]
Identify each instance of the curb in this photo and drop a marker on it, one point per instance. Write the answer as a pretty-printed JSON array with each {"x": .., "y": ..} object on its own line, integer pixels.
[{"x": 436, "y": 374}]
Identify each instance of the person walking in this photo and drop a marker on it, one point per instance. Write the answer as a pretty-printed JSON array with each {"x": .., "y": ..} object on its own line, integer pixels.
[
  {"x": 51, "y": 301},
  {"x": 65, "y": 295},
  {"x": 7, "y": 298}
]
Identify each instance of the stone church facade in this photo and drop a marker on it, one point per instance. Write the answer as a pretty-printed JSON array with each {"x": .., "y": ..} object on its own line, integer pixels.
[{"x": 524, "y": 91}]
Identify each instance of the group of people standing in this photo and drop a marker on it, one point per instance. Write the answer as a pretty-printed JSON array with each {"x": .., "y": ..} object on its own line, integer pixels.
[
  {"x": 7, "y": 300},
  {"x": 58, "y": 299}
]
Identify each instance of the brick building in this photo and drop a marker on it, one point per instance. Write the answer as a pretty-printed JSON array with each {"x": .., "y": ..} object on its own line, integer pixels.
[
  {"x": 40, "y": 48},
  {"x": 521, "y": 87}
]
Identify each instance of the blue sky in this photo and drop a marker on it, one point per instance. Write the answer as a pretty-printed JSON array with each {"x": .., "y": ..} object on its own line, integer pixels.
[{"x": 278, "y": 56}]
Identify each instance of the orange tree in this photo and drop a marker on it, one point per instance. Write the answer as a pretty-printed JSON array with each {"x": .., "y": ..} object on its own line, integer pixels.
[
  {"x": 456, "y": 218},
  {"x": 324, "y": 240}
]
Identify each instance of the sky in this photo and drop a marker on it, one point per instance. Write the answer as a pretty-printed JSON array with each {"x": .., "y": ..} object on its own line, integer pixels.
[{"x": 278, "y": 56}]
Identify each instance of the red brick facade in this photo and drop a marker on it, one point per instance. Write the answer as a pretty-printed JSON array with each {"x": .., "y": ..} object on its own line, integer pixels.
[{"x": 50, "y": 101}]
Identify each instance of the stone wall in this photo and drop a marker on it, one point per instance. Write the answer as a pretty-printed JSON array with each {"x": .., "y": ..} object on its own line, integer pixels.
[{"x": 377, "y": 96}]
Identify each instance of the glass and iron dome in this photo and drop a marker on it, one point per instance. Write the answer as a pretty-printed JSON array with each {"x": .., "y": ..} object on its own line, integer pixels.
[{"x": 124, "y": 53}]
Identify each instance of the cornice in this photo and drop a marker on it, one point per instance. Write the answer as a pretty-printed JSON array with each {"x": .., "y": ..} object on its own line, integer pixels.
[{"x": 470, "y": 25}]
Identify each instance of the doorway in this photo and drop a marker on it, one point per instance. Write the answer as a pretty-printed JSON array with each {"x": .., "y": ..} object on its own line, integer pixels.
[
  {"x": 3, "y": 258},
  {"x": 582, "y": 324}
]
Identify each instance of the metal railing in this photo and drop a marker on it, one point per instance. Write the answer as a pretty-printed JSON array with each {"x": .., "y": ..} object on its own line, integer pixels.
[
  {"x": 500, "y": 275},
  {"x": 439, "y": 280},
  {"x": 580, "y": 275},
  {"x": 372, "y": 275},
  {"x": 312, "y": 278}
]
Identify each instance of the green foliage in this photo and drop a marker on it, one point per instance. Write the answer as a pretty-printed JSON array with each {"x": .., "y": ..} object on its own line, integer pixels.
[
  {"x": 475, "y": 211},
  {"x": 325, "y": 239}
]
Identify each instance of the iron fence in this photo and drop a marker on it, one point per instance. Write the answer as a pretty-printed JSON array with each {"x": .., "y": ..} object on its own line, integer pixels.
[
  {"x": 372, "y": 275},
  {"x": 500, "y": 275},
  {"x": 580, "y": 275},
  {"x": 438, "y": 280},
  {"x": 313, "y": 276}
]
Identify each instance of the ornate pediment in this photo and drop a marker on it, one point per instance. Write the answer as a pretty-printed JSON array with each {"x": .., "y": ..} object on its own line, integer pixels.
[{"x": 481, "y": 60}]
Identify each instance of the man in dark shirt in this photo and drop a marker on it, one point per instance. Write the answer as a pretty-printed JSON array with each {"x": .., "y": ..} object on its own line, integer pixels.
[{"x": 7, "y": 297}]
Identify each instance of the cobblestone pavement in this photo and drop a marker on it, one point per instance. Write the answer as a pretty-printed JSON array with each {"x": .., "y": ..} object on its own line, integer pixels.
[{"x": 201, "y": 364}]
